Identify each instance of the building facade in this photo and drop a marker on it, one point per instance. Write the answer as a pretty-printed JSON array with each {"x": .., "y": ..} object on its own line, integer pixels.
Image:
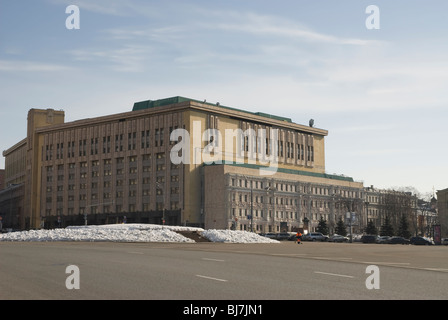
[
  {"x": 120, "y": 168},
  {"x": 442, "y": 208},
  {"x": 382, "y": 203}
]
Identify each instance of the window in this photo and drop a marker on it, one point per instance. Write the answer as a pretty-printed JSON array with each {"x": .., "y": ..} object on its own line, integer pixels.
[
  {"x": 132, "y": 137},
  {"x": 145, "y": 139}
]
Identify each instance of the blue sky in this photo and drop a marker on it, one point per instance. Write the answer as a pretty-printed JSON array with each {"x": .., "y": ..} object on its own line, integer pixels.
[{"x": 381, "y": 94}]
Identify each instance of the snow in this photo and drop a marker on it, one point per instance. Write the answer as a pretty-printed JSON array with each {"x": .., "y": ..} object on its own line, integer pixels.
[
  {"x": 132, "y": 233},
  {"x": 230, "y": 236}
]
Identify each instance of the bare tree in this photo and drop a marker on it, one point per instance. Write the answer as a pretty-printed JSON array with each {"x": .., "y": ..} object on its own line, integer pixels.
[{"x": 400, "y": 205}]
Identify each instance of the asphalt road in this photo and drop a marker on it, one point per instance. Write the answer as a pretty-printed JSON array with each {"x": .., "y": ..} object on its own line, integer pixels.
[{"x": 216, "y": 271}]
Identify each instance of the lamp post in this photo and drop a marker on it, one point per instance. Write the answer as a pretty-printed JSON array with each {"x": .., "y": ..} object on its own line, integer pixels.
[
  {"x": 273, "y": 202},
  {"x": 160, "y": 186},
  {"x": 367, "y": 213},
  {"x": 251, "y": 205}
]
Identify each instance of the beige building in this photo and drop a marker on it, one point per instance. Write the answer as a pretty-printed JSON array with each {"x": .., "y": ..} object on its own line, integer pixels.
[
  {"x": 380, "y": 203},
  {"x": 120, "y": 167},
  {"x": 442, "y": 208}
]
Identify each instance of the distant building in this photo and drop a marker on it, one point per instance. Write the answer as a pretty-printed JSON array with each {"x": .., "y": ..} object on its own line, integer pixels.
[
  {"x": 380, "y": 203},
  {"x": 116, "y": 167},
  {"x": 442, "y": 208},
  {"x": 2, "y": 179}
]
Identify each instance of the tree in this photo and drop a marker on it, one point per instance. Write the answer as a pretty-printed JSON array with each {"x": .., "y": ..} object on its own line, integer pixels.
[
  {"x": 371, "y": 229},
  {"x": 322, "y": 226},
  {"x": 399, "y": 202},
  {"x": 340, "y": 227},
  {"x": 386, "y": 228},
  {"x": 403, "y": 228}
]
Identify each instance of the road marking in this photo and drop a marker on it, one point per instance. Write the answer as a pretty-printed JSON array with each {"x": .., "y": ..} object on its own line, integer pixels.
[
  {"x": 332, "y": 258},
  {"x": 134, "y": 252},
  {"x": 334, "y": 274},
  {"x": 217, "y": 260},
  {"x": 437, "y": 269},
  {"x": 210, "y": 278},
  {"x": 388, "y": 263}
]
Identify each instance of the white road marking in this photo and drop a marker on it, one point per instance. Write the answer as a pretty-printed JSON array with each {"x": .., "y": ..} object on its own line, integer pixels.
[
  {"x": 288, "y": 254},
  {"x": 211, "y": 278},
  {"x": 334, "y": 258},
  {"x": 334, "y": 274},
  {"x": 217, "y": 260},
  {"x": 437, "y": 269},
  {"x": 387, "y": 263}
]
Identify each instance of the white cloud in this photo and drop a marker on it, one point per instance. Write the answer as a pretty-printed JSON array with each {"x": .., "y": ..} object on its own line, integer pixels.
[
  {"x": 107, "y": 7},
  {"x": 274, "y": 26},
  {"x": 30, "y": 66}
]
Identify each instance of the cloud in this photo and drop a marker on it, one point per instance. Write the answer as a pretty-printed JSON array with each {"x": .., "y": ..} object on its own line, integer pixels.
[
  {"x": 30, "y": 66},
  {"x": 106, "y": 7},
  {"x": 274, "y": 26}
]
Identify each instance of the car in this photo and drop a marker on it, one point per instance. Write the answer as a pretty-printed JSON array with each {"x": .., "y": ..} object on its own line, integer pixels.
[
  {"x": 282, "y": 236},
  {"x": 368, "y": 238},
  {"x": 383, "y": 239},
  {"x": 421, "y": 241},
  {"x": 270, "y": 235},
  {"x": 445, "y": 241},
  {"x": 398, "y": 240},
  {"x": 314, "y": 236},
  {"x": 292, "y": 236},
  {"x": 338, "y": 238}
]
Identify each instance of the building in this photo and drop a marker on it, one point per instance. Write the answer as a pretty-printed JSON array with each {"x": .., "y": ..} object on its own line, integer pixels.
[
  {"x": 172, "y": 161},
  {"x": 442, "y": 208},
  {"x": 380, "y": 203},
  {"x": 2, "y": 179}
]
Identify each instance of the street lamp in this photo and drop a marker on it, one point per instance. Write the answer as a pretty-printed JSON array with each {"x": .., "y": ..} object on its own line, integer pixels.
[
  {"x": 273, "y": 202},
  {"x": 160, "y": 186},
  {"x": 251, "y": 205},
  {"x": 367, "y": 213}
]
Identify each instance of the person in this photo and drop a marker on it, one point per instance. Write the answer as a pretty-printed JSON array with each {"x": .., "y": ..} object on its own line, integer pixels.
[{"x": 299, "y": 237}]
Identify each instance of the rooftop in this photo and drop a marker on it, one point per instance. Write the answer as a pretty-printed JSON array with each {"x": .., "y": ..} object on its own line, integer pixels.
[{"x": 167, "y": 101}]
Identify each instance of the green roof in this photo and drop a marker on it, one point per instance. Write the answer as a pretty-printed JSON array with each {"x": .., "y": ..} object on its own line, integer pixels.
[
  {"x": 164, "y": 102},
  {"x": 282, "y": 170}
]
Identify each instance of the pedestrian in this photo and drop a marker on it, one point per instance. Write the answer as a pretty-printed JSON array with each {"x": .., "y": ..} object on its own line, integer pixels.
[{"x": 299, "y": 237}]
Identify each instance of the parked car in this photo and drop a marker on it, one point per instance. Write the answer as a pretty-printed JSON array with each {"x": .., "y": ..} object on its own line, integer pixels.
[
  {"x": 314, "y": 236},
  {"x": 421, "y": 241},
  {"x": 398, "y": 240},
  {"x": 270, "y": 235},
  {"x": 282, "y": 236},
  {"x": 338, "y": 238},
  {"x": 292, "y": 236},
  {"x": 368, "y": 238},
  {"x": 445, "y": 241},
  {"x": 383, "y": 239}
]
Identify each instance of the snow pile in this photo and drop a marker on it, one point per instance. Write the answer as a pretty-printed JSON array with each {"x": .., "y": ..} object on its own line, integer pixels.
[
  {"x": 230, "y": 236},
  {"x": 132, "y": 233},
  {"x": 114, "y": 233}
]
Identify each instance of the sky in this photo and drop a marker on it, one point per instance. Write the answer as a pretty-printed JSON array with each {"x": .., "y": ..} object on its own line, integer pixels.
[{"x": 380, "y": 92}]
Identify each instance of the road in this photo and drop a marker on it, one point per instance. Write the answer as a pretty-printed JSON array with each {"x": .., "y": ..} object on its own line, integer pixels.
[{"x": 216, "y": 271}]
